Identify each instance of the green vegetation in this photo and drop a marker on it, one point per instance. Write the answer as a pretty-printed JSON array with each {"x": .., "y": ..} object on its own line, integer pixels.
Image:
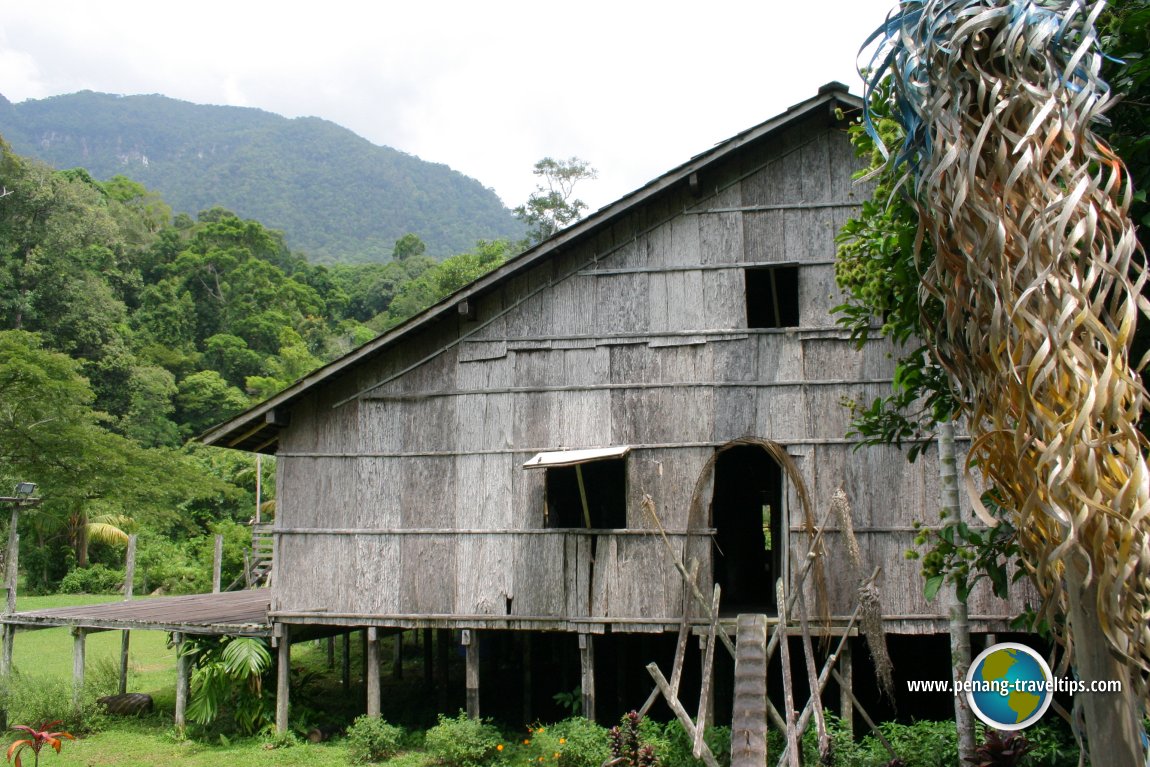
[
  {"x": 124, "y": 332},
  {"x": 335, "y": 195}
]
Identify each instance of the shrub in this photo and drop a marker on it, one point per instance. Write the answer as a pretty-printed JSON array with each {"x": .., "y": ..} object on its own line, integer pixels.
[
  {"x": 673, "y": 746},
  {"x": 371, "y": 739},
  {"x": 463, "y": 742},
  {"x": 96, "y": 579},
  {"x": 582, "y": 743},
  {"x": 47, "y": 699}
]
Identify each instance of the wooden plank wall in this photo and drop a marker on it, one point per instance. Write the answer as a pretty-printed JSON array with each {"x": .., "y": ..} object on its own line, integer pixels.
[{"x": 635, "y": 337}]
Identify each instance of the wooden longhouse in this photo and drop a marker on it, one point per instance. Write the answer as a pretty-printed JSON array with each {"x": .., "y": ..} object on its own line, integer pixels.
[{"x": 491, "y": 465}]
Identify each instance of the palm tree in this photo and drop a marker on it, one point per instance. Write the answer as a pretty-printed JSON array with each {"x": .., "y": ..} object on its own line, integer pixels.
[{"x": 1039, "y": 274}]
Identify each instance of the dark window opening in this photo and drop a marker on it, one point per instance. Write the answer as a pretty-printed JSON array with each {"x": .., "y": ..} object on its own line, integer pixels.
[
  {"x": 605, "y": 489},
  {"x": 747, "y": 513},
  {"x": 772, "y": 296}
]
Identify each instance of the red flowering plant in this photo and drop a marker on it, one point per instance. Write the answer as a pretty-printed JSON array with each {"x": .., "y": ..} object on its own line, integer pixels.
[{"x": 39, "y": 738}]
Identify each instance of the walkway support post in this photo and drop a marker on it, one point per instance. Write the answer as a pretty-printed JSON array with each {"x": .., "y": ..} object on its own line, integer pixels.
[
  {"x": 78, "y": 636},
  {"x": 181, "y": 682},
  {"x": 283, "y": 678},
  {"x": 129, "y": 585}
]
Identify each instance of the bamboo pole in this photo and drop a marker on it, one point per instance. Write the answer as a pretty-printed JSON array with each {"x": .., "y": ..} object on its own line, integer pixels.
[{"x": 788, "y": 686}]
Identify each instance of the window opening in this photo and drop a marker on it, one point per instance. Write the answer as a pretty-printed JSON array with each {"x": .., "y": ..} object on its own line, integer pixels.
[
  {"x": 584, "y": 488},
  {"x": 772, "y": 294}
]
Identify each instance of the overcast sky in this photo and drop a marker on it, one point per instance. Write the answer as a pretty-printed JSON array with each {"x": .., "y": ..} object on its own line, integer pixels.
[{"x": 488, "y": 88}]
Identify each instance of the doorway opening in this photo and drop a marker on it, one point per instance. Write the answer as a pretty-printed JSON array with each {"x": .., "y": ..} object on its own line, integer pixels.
[{"x": 748, "y": 514}]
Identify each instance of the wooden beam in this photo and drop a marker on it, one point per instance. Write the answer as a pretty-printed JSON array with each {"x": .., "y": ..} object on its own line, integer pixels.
[
  {"x": 283, "y": 680},
  {"x": 9, "y": 639},
  {"x": 587, "y": 665},
  {"x": 182, "y": 669},
  {"x": 345, "y": 662},
  {"x": 78, "y": 635},
  {"x": 372, "y": 677},
  {"x": 217, "y": 563},
  {"x": 11, "y": 559},
  {"x": 397, "y": 659},
  {"x": 680, "y": 712},
  {"x": 846, "y": 694},
  {"x": 129, "y": 589},
  {"x": 471, "y": 643}
]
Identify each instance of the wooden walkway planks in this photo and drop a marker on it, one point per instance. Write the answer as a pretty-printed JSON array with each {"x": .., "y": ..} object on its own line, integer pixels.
[{"x": 243, "y": 613}]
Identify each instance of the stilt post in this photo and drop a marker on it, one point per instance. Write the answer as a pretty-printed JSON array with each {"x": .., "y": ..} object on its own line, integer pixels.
[
  {"x": 181, "y": 682},
  {"x": 129, "y": 589},
  {"x": 372, "y": 677},
  {"x": 283, "y": 679},
  {"x": 471, "y": 643},
  {"x": 78, "y": 636},
  {"x": 587, "y": 681}
]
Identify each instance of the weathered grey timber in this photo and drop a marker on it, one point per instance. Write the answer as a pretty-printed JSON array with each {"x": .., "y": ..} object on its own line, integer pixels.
[{"x": 666, "y": 327}]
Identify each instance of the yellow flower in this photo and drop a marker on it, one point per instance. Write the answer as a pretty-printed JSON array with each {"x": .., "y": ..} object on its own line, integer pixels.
[
  {"x": 562, "y": 741},
  {"x": 541, "y": 759},
  {"x": 499, "y": 747},
  {"x": 556, "y": 754},
  {"x": 526, "y": 742}
]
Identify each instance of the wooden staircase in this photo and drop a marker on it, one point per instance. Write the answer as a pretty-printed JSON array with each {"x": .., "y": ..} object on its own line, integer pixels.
[
  {"x": 749, "y": 719},
  {"x": 261, "y": 557}
]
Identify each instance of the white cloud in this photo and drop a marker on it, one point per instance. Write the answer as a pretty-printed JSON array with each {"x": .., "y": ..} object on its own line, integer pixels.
[{"x": 487, "y": 88}]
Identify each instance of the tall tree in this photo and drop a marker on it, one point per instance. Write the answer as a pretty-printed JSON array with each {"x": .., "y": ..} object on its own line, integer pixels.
[
  {"x": 553, "y": 206},
  {"x": 1030, "y": 296}
]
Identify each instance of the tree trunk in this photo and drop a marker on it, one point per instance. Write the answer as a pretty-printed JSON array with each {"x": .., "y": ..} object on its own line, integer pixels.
[
  {"x": 1113, "y": 727},
  {"x": 956, "y": 608}
]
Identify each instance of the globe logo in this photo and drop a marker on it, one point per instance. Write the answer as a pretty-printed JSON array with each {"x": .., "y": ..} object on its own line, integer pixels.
[{"x": 1009, "y": 686}]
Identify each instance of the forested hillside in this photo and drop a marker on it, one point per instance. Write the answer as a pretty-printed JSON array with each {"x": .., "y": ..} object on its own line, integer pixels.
[
  {"x": 336, "y": 196},
  {"x": 125, "y": 330}
]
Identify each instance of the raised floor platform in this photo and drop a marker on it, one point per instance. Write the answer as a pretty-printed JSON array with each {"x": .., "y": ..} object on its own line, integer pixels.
[{"x": 236, "y": 613}]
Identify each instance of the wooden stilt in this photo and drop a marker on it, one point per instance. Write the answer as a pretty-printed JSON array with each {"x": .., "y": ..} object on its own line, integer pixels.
[
  {"x": 587, "y": 665},
  {"x": 680, "y": 712},
  {"x": 705, "y": 684},
  {"x": 816, "y": 701},
  {"x": 788, "y": 685},
  {"x": 372, "y": 677},
  {"x": 471, "y": 643},
  {"x": 181, "y": 682},
  {"x": 283, "y": 679},
  {"x": 78, "y": 636},
  {"x": 129, "y": 588},
  {"x": 11, "y": 559},
  {"x": 363, "y": 655},
  {"x": 397, "y": 660},
  {"x": 331, "y": 653},
  {"x": 9, "y": 640},
  {"x": 527, "y": 677},
  {"x": 428, "y": 665},
  {"x": 345, "y": 662},
  {"x": 442, "y": 673},
  {"x": 846, "y": 704}
]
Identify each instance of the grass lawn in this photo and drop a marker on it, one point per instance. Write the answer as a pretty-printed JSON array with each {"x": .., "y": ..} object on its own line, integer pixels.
[{"x": 48, "y": 652}]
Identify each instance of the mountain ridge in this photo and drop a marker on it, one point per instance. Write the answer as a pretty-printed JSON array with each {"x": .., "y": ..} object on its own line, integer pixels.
[{"x": 334, "y": 194}]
